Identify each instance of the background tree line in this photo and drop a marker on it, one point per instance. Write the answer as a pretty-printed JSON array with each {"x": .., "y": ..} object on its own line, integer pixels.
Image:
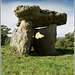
[
  {"x": 67, "y": 41},
  {"x": 5, "y": 39}
]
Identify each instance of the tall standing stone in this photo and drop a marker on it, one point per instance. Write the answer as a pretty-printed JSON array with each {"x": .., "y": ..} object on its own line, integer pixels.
[
  {"x": 44, "y": 41},
  {"x": 21, "y": 37}
]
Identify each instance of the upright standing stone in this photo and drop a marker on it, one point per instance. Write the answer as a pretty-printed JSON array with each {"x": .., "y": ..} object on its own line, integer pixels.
[
  {"x": 44, "y": 41},
  {"x": 21, "y": 37}
]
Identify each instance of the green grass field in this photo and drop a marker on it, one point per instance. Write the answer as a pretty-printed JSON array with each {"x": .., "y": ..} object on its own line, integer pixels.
[{"x": 14, "y": 64}]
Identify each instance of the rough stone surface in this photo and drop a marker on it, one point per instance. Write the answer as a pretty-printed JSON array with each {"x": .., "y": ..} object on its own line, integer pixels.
[
  {"x": 26, "y": 35},
  {"x": 40, "y": 17},
  {"x": 44, "y": 41},
  {"x": 21, "y": 37}
]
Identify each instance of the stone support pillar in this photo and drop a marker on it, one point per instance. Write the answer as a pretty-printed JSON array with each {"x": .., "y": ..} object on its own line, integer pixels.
[
  {"x": 21, "y": 37},
  {"x": 44, "y": 41}
]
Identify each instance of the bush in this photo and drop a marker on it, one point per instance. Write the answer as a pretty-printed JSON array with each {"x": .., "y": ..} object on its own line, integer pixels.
[
  {"x": 68, "y": 41},
  {"x": 69, "y": 44},
  {"x": 60, "y": 43},
  {"x": 7, "y": 40},
  {"x": 4, "y": 33}
]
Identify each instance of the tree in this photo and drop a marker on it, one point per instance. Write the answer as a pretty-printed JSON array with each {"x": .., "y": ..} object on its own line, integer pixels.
[
  {"x": 4, "y": 33},
  {"x": 70, "y": 35},
  {"x": 60, "y": 43},
  {"x": 70, "y": 39}
]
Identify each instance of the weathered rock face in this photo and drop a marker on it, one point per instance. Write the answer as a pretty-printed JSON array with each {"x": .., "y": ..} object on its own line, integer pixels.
[
  {"x": 40, "y": 17},
  {"x": 44, "y": 41},
  {"x": 21, "y": 37}
]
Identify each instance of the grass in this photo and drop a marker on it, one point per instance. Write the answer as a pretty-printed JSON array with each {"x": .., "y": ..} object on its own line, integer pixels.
[{"x": 14, "y": 64}]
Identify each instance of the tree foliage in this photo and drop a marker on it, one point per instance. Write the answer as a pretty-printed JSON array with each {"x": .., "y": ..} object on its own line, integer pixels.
[
  {"x": 4, "y": 33},
  {"x": 67, "y": 42},
  {"x": 70, "y": 39},
  {"x": 60, "y": 43}
]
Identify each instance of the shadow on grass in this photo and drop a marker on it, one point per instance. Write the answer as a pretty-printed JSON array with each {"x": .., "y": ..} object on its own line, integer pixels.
[
  {"x": 64, "y": 51},
  {"x": 59, "y": 52}
]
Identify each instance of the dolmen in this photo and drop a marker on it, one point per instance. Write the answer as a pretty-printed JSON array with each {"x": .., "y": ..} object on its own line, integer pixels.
[{"x": 37, "y": 28}]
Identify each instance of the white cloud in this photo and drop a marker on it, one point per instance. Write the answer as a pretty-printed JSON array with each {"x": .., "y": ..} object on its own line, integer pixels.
[{"x": 8, "y": 17}]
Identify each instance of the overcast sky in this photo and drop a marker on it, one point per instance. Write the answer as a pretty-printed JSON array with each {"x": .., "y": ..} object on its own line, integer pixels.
[{"x": 63, "y": 6}]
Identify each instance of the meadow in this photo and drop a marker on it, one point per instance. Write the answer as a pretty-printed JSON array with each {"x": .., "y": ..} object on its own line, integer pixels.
[{"x": 15, "y": 64}]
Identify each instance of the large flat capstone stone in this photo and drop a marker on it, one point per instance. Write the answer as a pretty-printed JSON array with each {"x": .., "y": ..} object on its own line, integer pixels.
[{"x": 40, "y": 17}]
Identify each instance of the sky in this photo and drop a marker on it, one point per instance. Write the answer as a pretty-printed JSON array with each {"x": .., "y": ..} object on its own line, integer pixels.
[{"x": 62, "y": 6}]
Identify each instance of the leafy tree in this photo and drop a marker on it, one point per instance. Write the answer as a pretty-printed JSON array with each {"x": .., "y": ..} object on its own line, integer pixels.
[
  {"x": 60, "y": 43},
  {"x": 70, "y": 39},
  {"x": 70, "y": 36},
  {"x": 4, "y": 33},
  {"x": 7, "y": 40}
]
